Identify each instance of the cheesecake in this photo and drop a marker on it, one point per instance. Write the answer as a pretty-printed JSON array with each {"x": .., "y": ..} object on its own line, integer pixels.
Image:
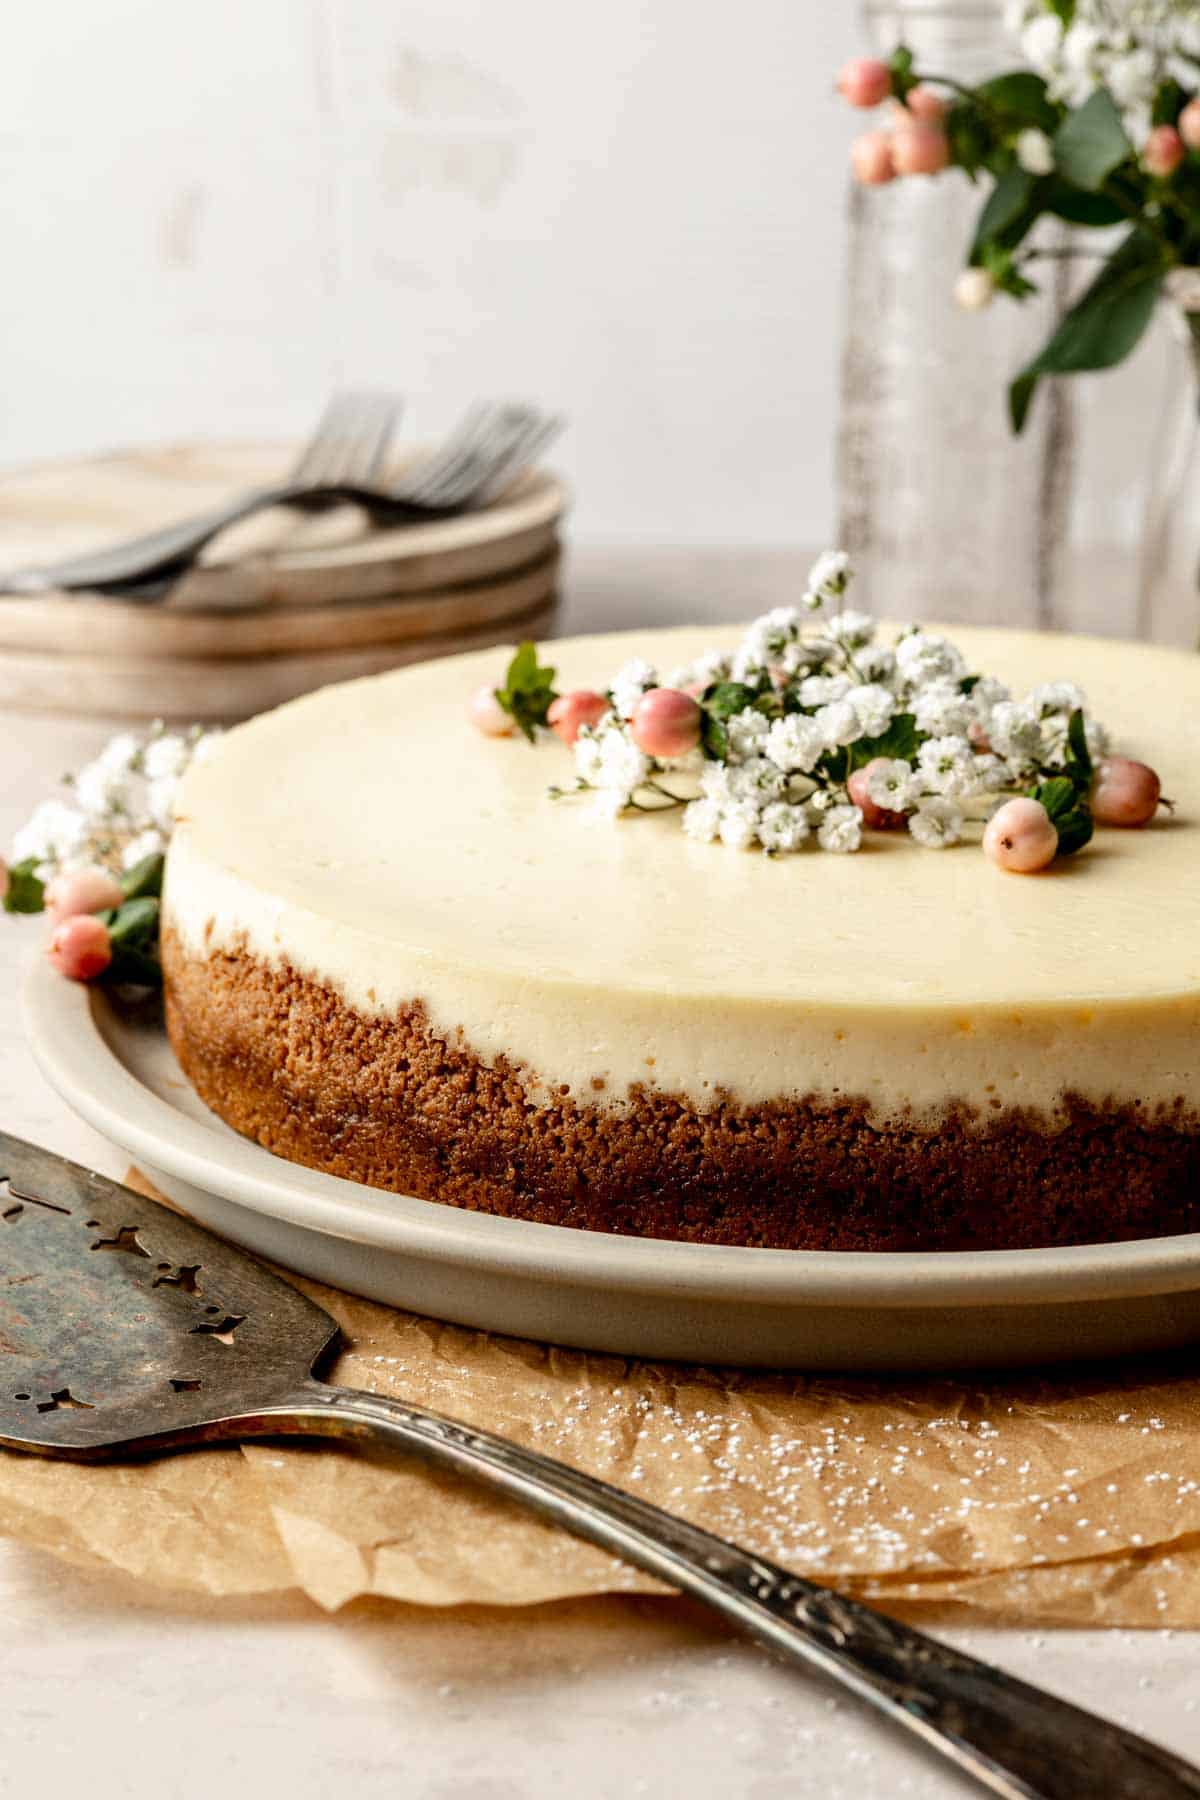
[{"x": 393, "y": 954}]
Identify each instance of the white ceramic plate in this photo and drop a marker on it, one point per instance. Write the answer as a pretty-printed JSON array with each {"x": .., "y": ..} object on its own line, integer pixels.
[{"x": 632, "y": 1296}]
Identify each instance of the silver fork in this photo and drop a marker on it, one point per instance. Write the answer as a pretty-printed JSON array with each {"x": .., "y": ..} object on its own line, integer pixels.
[
  {"x": 351, "y": 442},
  {"x": 486, "y": 451}
]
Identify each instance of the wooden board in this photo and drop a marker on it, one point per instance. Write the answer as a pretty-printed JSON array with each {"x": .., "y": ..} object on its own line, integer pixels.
[
  {"x": 226, "y": 688},
  {"x": 279, "y": 558},
  {"x": 113, "y": 629}
]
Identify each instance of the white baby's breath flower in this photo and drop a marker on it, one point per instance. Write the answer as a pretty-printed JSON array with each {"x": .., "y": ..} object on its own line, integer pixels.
[
  {"x": 840, "y": 830},
  {"x": 1097, "y": 737},
  {"x": 766, "y": 642},
  {"x": 630, "y": 683},
  {"x": 589, "y": 754},
  {"x": 150, "y": 842},
  {"x": 714, "y": 782},
  {"x": 205, "y": 743},
  {"x": 828, "y": 579},
  {"x": 987, "y": 693},
  {"x": 922, "y": 657},
  {"x": 942, "y": 709},
  {"x": 165, "y": 756},
  {"x": 838, "y": 724},
  {"x": 739, "y": 824},
  {"x": 937, "y": 823},
  {"x": 756, "y": 779},
  {"x": 1015, "y": 732},
  {"x": 702, "y": 820},
  {"x": 892, "y": 784},
  {"x": 946, "y": 765},
  {"x": 103, "y": 791},
  {"x": 53, "y": 834},
  {"x": 795, "y": 744},
  {"x": 875, "y": 706},
  {"x": 122, "y": 753},
  {"x": 782, "y": 828},
  {"x": 820, "y": 690},
  {"x": 160, "y": 801},
  {"x": 1056, "y": 697},
  {"x": 990, "y": 774},
  {"x": 853, "y": 630},
  {"x": 747, "y": 733},
  {"x": 1035, "y": 152},
  {"x": 876, "y": 663}
]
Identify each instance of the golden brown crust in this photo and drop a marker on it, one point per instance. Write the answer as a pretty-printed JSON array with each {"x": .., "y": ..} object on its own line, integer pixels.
[{"x": 385, "y": 1101}]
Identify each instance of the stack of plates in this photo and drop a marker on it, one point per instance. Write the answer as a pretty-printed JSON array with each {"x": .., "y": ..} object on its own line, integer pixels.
[{"x": 280, "y": 604}]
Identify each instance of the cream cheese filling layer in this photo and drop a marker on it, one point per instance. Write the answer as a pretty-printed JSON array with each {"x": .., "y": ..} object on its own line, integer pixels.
[{"x": 368, "y": 838}]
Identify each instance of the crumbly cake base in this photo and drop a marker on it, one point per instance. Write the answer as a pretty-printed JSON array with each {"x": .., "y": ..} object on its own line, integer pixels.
[{"x": 385, "y": 1101}]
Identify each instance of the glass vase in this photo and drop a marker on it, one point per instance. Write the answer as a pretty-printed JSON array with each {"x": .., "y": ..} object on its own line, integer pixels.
[
  {"x": 946, "y": 513},
  {"x": 1169, "y": 574}
]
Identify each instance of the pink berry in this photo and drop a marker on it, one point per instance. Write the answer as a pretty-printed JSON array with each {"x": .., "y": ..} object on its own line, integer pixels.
[
  {"x": 1189, "y": 124},
  {"x": 875, "y": 818},
  {"x": 1163, "y": 151},
  {"x": 81, "y": 891},
  {"x": 1021, "y": 837},
  {"x": 80, "y": 948},
  {"x": 923, "y": 103},
  {"x": 871, "y": 159},
  {"x": 666, "y": 722},
  {"x": 1125, "y": 792},
  {"x": 487, "y": 715},
  {"x": 865, "y": 81},
  {"x": 582, "y": 706},
  {"x": 919, "y": 148}
]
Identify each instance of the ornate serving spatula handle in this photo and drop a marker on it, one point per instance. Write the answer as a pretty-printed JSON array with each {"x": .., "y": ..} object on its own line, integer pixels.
[{"x": 1012, "y": 1738}]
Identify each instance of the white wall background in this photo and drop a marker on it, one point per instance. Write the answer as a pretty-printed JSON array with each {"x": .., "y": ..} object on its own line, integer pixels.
[
  {"x": 211, "y": 215},
  {"x": 634, "y": 211}
]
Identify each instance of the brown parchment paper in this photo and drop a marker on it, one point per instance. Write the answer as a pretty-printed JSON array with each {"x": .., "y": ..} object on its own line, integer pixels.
[{"x": 1070, "y": 1498}]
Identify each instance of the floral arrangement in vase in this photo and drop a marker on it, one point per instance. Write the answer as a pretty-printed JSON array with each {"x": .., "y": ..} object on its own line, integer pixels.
[{"x": 1100, "y": 129}]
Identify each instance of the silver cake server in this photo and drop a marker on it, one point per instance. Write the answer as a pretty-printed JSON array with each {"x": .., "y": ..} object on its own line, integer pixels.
[{"x": 129, "y": 1331}]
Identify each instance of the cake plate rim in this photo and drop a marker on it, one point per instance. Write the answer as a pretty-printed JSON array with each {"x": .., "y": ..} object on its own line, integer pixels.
[{"x": 640, "y": 1296}]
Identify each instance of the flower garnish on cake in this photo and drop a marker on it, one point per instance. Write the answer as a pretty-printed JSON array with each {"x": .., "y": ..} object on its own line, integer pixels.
[
  {"x": 814, "y": 731},
  {"x": 94, "y": 860}
]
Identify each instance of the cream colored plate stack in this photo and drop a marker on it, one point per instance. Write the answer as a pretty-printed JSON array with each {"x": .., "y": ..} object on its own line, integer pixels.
[{"x": 283, "y": 603}]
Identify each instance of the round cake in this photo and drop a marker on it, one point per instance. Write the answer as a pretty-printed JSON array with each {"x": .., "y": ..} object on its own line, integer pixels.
[{"x": 390, "y": 954}]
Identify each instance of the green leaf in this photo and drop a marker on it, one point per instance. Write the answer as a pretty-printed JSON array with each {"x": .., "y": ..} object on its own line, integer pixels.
[
  {"x": 135, "y": 924},
  {"x": 1021, "y": 100},
  {"x": 131, "y": 967},
  {"x": 1075, "y": 829},
  {"x": 1006, "y": 208},
  {"x": 1069, "y": 812},
  {"x": 1081, "y": 756},
  {"x": 1092, "y": 142},
  {"x": 1169, "y": 102},
  {"x": 971, "y": 143},
  {"x": 724, "y": 699},
  {"x": 1104, "y": 324},
  {"x": 714, "y": 738},
  {"x": 145, "y": 877},
  {"x": 1077, "y": 206},
  {"x": 25, "y": 893},
  {"x": 900, "y": 65},
  {"x": 528, "y": 692},
  {"x": 1058, "y": 796},
  {"x": 901, "y": 740}
]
